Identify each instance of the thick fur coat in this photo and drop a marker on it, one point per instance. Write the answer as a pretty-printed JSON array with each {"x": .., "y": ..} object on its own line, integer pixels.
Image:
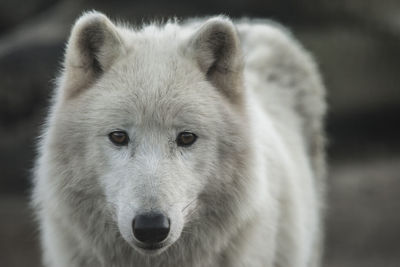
[{"x": 247, "y": 193}]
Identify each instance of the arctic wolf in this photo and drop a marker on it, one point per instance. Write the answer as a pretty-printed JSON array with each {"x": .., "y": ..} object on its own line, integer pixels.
[{"x": 190, "y": 144}]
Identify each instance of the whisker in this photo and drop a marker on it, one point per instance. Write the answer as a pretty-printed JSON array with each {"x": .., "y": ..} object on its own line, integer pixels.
[{"x": 190, "y": 203}]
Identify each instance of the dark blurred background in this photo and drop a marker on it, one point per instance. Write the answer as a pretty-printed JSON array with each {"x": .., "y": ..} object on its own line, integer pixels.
[{"x": 357, "y": 46}]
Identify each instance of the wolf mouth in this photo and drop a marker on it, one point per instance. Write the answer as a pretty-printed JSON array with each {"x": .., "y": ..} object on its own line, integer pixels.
[{"x": 150, "y": 247}]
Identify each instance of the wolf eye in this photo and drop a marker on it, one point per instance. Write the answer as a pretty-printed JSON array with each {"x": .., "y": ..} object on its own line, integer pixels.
[
  {"x": 119, "y": 138},
  {"x": 186, "y": 139}
]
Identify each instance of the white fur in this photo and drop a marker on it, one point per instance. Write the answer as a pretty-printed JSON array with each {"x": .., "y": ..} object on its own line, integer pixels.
[{"x": 248, "y": 193}]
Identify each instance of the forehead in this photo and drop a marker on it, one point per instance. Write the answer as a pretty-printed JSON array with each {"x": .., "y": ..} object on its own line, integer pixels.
[{"x": 156, "y": 85}]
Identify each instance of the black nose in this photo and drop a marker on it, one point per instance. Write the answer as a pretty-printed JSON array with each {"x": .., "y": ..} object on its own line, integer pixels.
[{"x": 151, "y": 228}]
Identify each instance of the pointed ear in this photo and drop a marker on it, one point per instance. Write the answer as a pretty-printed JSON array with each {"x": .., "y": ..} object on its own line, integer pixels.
[
  {"x": 216, "y": 48},
  {"x": 93, "y": 46}
]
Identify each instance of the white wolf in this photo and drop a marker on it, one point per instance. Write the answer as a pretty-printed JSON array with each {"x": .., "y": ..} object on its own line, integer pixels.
[{"x": 192, "y": 144}]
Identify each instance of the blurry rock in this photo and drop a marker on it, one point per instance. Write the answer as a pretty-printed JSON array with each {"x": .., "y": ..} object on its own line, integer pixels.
[
  {"x": 29, "y": 59},
  {"x": 26, "y": 75},
  {"x": 359, "y": 68},
  {"x": 13, "y": 12}
]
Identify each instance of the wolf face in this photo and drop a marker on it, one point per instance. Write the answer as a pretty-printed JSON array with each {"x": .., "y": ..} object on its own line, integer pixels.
[{"x": 157, "y": 124}]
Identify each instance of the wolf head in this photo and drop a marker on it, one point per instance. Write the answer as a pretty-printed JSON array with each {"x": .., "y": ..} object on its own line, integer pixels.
[{"x": 149, "y": 126}]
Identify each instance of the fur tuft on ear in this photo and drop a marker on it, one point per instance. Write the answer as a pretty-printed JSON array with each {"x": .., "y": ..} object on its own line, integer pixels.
[
  {"x": 216, "y": 48},
  {"x": 93, "y": 46}
]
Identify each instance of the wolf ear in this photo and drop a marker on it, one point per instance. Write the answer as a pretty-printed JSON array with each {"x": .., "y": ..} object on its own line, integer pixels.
[
  {"x": 93, "y": 46},
  {"x": 216, "y": 48}
]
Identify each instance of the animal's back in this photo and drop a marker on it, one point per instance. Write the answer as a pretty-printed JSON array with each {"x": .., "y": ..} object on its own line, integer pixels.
[{"x": 284, "y": 80}]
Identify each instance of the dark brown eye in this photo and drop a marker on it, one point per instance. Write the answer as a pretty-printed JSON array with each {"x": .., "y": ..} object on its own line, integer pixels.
[
  {"x": 186, "y": 139},
  {"x": 119, "y": 138}
]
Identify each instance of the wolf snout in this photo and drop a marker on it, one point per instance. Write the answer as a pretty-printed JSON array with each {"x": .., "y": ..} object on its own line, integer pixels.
[{"x": 150, "y": 229}]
